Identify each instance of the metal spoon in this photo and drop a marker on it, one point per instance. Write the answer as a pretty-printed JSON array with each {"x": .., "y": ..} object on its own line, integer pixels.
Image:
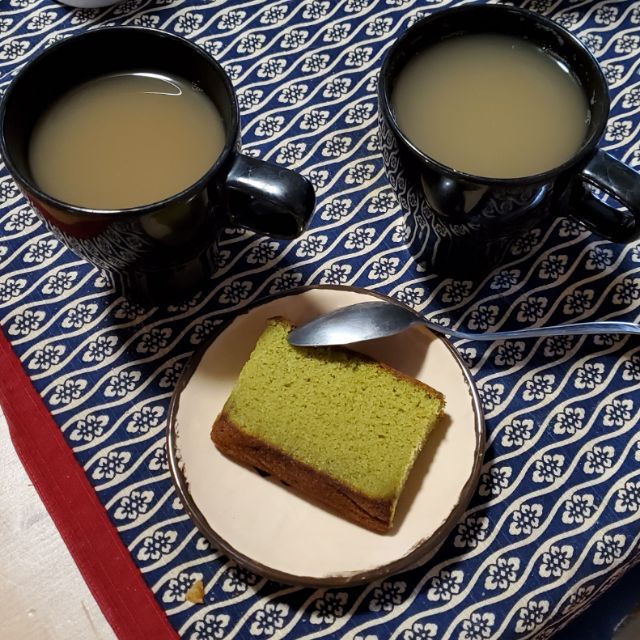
[{"x": 370, "y": 320}]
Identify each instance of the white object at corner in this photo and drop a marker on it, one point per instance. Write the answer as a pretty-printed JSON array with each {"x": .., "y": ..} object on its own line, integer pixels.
[{"x": 89, "y": 4}]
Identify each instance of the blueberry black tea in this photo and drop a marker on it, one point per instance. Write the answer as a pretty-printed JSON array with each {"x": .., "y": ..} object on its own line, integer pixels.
[
  {"x": 491, "y": 105},
  {"x": 125, "y": 140}
]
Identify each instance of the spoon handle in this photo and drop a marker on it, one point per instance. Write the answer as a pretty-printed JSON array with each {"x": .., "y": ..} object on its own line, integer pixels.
[{"x": 577, "y": 328}]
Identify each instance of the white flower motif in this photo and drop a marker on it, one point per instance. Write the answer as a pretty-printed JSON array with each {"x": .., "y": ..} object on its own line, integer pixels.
[
  {"x": 269, "y": 619},
  {"x": 578, "y": 509},
  {"x": 456, "y": 291},
  {"x": 379, "y": 26},
  {"x": 68, "y": 391},
  {"x": 314, "y": 119},
  {"x": 336, "y": 274},
  {"x": 606, "y": 15},
  {"x": 358, "y": 56},
  {"x": 599, "y": 258},
  {"x": 58, "y": 283},
  {"x": 311, "y": 246},
  {"x": 505, "y": 280},
  {"x": 269, "y": 126},
  {"x": 556, "y": 346},
  {"x": 493, "y": 482},
  {"x": 593, "y": 41},
  {"x": 14, "y": 49},
  {"x": 336, "y": 32},
  {"x": 599, "y": 459},
  {"x": 445, "y": 585},
  {"x": 122, "y": 383},
  {"x": 478, "y": 626},
  {"x": 238, "y": 579},
  {"x": 336, "y": 146},
  {"x": 213, "y": 625},
  {"x": 109, "y": 466},
  {"x": 517, "y": 432},
  {"x": 360, "y": 173},
  {"x": 472, "y": 531},
  {"x": 617, "y": 413},
  {"x": 286, "y": 281},
  {"x": 294, "y": 39},
  {"x": 177, "y": 587},
  {"x": 272, "y": 68},
  {"x": 157, "y": 545},
  {"x": 188, "y": 23},
  {"x": 290, "y": 153},
  {"x": 569, "y": 421},
  {"x": 531, "y": 309},
  {"x": 274, "y": 14},
  {"x": 359, "y": 114},
  {"x": 502, "y": 573},
  {"x": 631, "y": 367},
  {"x": 628, "y": 498},
  {"x": 491, "y": 395},
  {"x": 589, "y": 376},
  {"x": 509, "y": 353},
  {"x": 43, "y": 359},
  {"x": 421, "y": 631},
  {"x": 532, "y": 616},
  {"x": 131, "y": 506},
  {"x": 619, "y": 130},
  {"x": 171, "y": 375},
  {"x": 336, "y": 87},
  {"x": 525, "y": 519},
  {"x": 609, "y": 548},
  {"x": 360, "y": 238},
  {"x": 154, "y": 340},
  {"x": 483, "y": 317},
  {"x": 249, "y": 98},
  {"x": 80, "y": 315},
  {"x": 159, "y": 460},
  {"x": 263, "y": 252},
  {"x": 383, "y": 268},
  {"x": 236, "y": 291},
  {"x": 293, "y": 93},
  {"x": 412, "y": 296},
  {"x": 25, "y": 323},
  {"x": 316, "y": 9},
  {"x": 336, "y": 209},
  {"x": 539, "y": 387},
  {"x": 387, "y": 596},
  {"x": 556, "y": 561},
  {"x": 89, "y": 428},
  {"x": 578, "y": 302},
  {"x": 23, "y": 218},
  {"x": 627, "y": 291},
  {"x": 548, "y": 467},
  {"x": 147, "y": 418},
  {"x": 100, "y": 349},
  {"x": 251, "y": 43},
  {"x": 401, "y": 233},
  {"x": 355, "y": 6},
  {"x": 328, "y": 608}
]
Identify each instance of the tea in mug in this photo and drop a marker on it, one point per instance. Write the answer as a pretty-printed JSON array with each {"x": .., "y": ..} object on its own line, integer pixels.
[
  {"x": 125, "y": 140},
  {"x": 491, "y": 105}
]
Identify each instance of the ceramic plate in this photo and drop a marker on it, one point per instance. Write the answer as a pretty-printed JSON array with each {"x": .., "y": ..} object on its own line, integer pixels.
[{"x": 267, "y": 527}]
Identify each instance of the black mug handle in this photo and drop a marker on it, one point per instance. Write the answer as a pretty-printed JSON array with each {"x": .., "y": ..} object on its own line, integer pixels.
[
  {"x": 618, "y": 181},
  {"x": 268, "y": 198}
]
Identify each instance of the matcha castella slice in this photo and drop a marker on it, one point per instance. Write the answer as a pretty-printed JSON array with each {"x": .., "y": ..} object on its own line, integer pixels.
[{"x": 336, "y": 426}]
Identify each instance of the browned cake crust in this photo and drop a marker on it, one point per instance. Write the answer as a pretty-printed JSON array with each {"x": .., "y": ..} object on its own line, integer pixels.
[{"x": 353, "y": 505}]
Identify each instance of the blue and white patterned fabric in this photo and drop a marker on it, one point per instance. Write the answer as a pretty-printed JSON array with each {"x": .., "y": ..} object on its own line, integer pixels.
[{"x": 556, "y": 516}]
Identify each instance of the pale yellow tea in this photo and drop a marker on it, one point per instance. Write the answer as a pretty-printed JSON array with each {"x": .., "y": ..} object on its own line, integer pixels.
[
  {"x": 492, "y": 106},
  {"x": 125, "y": 140}
]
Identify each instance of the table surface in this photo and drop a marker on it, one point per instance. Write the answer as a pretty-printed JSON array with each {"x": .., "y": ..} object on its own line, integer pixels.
[
  {"x": 556, "y": 517},
  {"x": 42, "y": 594}
]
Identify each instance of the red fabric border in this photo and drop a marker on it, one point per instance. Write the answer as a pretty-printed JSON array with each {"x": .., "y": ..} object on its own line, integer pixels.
[{"x": 103, "y": 560}]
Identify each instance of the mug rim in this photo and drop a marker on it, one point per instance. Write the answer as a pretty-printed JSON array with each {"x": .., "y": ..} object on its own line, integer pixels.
[
  {"x": 30, "y": 185},
  {"x": 384, "y": 92}
]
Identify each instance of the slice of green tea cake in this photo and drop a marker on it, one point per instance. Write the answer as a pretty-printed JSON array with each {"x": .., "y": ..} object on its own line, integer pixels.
[{"x": 336, "y": 426}]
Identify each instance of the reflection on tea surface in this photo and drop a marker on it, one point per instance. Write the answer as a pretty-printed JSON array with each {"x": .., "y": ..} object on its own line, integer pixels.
[
  {"x": 491, "y": 105},
  {"x": 125, "y": 140}
]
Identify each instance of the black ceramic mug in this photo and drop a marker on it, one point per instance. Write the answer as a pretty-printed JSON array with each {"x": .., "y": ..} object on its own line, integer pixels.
[
  {"x": 166, "y": 250},
  {"x": 468, "y": 222}
]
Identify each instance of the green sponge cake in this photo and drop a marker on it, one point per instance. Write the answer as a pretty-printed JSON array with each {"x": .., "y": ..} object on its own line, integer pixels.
[{"x": 335, "y": 425}]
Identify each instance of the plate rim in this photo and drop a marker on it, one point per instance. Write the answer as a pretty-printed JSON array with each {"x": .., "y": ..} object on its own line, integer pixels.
[{"x": 418, "y": 555}]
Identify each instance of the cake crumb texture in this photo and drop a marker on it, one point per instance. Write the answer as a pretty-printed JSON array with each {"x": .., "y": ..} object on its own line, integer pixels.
[{"x": 343, "y": 414}]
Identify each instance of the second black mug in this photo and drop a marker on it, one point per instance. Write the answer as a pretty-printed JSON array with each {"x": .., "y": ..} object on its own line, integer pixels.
[{"x": 468, "y": 222}]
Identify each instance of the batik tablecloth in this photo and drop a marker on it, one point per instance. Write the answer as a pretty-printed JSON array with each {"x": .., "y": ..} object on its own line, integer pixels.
[{"x": 87, "y": 376}]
